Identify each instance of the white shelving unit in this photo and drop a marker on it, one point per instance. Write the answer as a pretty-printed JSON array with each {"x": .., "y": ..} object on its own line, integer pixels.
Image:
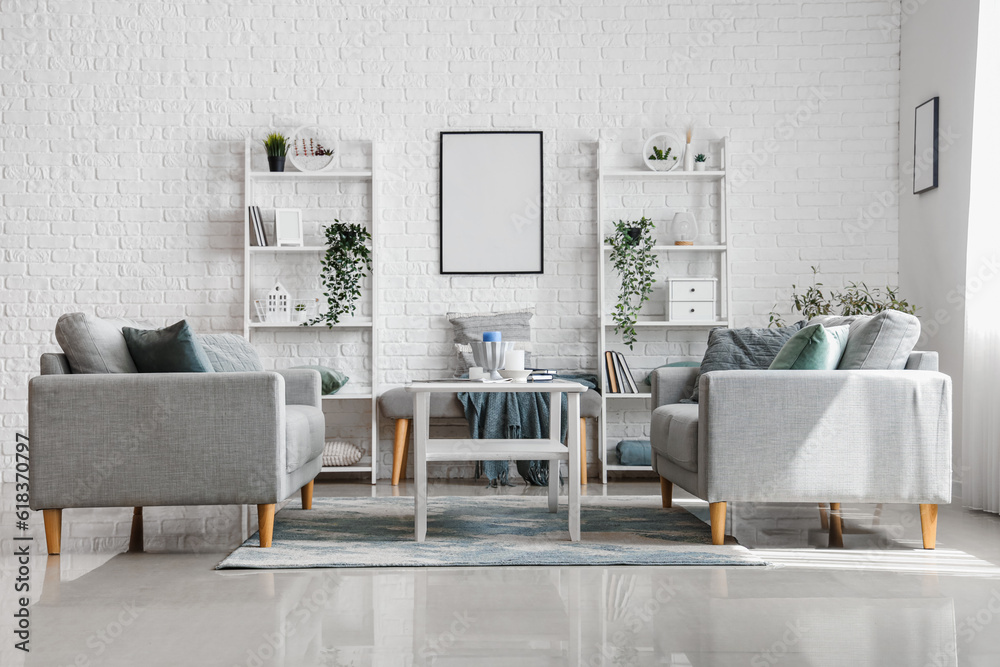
[
  {"x": 608, "y": 458},
  {"x": 313, "y": 254}
]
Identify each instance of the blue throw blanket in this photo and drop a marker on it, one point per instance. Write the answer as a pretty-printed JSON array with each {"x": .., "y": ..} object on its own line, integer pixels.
[{"x": 515, "y": 415}]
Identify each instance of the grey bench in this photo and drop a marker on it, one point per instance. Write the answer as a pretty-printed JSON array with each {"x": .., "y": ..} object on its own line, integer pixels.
[{"x": 397, "y": 404}]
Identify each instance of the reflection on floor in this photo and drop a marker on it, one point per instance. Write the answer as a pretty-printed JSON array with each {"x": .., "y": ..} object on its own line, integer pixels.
[{"x": 877, "y": 601}]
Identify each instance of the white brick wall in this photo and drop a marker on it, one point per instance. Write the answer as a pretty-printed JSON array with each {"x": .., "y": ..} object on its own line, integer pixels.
[{"x": 123, "y": 128}]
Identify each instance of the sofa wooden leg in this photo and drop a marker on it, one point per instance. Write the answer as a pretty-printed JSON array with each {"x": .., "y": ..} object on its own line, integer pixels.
[
  {"x": 135, "y": 540},
  {"x": 667, "y": 492},
  {"x": 717, "y": 512},
  {"x": 928, "y": 525},
  {"x": 399, "y": 450},
  {"x": 836, "y": 526},
  {"x": 307, "y": 495},
  {"x": 265, "y": 524},
  {"x": 583, "y": 450},
  {"x": 53, "y": 530},
  {"x": 824, "y": 518}
]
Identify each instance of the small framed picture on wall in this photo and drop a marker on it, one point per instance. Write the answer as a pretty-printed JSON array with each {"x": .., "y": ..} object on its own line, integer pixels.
[{"x": 925, "y": 146}]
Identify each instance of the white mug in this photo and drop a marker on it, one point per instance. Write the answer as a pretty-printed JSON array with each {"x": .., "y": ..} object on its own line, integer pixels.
[{"x": 476, "y": 373}]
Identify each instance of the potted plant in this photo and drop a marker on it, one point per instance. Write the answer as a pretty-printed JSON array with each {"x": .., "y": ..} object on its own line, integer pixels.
[
  {"x": 276, "y": 147},
  {"x": 634, "y": 260},
  {"x": 348, "y": 256},
  {"x": 299, "y": 312},
  {"x": 856, "y": 299},
  {"x": 662, "y": 160},
  {"x": 699, "y": 162}
]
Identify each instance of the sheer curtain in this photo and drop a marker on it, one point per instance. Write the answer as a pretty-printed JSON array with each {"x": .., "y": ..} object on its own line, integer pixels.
[{"x": 981, "y": 386}]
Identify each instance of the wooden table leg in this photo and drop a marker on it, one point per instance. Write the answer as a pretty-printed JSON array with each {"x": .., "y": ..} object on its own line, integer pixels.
[
  {"x": 135, "y": 541},
  {"x": 421, "y": 431},
  {"x": 574, "y": 467}
]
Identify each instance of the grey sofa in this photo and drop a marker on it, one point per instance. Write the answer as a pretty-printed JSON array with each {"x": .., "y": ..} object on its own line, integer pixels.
[
  {"x": 153, "y": 439},
  {"x": 806, "y": 436}
]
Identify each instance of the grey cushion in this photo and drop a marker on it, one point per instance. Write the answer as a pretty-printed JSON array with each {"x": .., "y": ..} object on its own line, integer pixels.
[
  {"x": 305, "y": 431},
  {"x": 230, "y": 353},
  {"x": 743, "y": 349},
  {"x": 674, "y": 434},
  {"x": 94, "y": 345},
  {"x": 398, "y": 404},
  {"x": 882, "y": 342},
  {"x": 514, "y": 325}
]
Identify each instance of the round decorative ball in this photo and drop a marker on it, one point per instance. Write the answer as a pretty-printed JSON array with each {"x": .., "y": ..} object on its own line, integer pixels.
[{"x": 338, "y": 454}]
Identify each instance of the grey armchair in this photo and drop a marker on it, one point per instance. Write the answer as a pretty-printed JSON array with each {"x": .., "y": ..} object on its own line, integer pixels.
[
  {"x": 153, "y": 439},
  {"x": 806, "y": 436}
]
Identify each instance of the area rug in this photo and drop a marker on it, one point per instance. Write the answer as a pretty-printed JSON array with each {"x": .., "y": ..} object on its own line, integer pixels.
[{"x": 484, "y": 531}]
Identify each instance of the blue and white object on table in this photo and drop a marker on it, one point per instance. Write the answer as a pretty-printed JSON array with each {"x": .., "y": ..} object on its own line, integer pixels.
[
  {"x": 490, "y": 356},
  {"x": 492, "y": 337}
]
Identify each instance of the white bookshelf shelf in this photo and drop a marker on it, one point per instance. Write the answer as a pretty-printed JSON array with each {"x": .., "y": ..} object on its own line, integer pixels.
[
  {"x": 682, "y": 248},
  {"x": 352, "y": 324},
  {"x": 334, "y": 175},
  {"x": 348, "y": 396},
  {"x": 610, "y": 395},
  {"x": 346, "y": 469},
  {"x": 675, "y": 175},
  {"x": 287, "y": 248},
  {"x": 663, "y": 324}
]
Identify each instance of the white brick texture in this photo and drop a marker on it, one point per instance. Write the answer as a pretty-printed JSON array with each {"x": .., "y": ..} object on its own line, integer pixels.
[{"x": 123, "y": 127}]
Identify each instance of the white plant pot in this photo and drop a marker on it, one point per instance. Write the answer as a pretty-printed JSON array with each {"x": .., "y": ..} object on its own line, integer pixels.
[{"x": 699, "y": 166}]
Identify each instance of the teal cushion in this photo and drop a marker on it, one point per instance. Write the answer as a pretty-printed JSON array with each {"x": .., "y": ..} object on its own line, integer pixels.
[
  {"x": 174, "y": 349},
  {"x": 635, "y": 453},
  {"x": 331, "y": 379},
  {"x": 813, "y": 348},
  {"x": 674, "y": 364}
]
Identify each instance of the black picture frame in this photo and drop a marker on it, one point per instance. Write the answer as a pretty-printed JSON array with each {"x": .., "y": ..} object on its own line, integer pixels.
[
  {"x": 453, "y": 250},
  {"x": 925, "y": 146}
]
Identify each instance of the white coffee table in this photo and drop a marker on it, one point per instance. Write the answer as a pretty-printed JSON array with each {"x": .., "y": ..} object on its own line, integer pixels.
[{"x": 470, "y": 449}]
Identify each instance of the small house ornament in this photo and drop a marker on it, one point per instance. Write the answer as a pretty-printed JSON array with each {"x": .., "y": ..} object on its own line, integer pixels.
[{"x": 279, "y": 304}]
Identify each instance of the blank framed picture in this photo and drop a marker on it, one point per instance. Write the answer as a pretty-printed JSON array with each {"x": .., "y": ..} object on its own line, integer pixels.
[
  {"x": 491, "y": 202},
  {"x": 925, "y": 146},
  {"x": 288, "y": 226}
]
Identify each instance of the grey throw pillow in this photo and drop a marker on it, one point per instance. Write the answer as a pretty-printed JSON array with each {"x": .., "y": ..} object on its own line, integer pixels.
[
  {"x": 94, "y": 345},
  {"x": 742, "y": 349},
  {"x": 514, "y": 326},
  {"x": 230, "y": 353},
  {"x": 881, "y": 342}
]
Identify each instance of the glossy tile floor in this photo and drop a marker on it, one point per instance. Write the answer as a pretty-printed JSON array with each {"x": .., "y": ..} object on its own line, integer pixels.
[{"x": 877, "y": 601}]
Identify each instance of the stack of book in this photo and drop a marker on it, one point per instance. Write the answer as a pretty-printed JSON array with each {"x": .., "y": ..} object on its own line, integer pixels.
[
  {"x": 618, "y": 378},
  {"x": 257, "y": 235}
]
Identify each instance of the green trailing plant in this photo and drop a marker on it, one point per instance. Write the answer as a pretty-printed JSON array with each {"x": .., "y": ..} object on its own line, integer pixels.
[
  {"x": 633, "y": 259},
  {"x": 855, "y": 299},
  {"x": 276, "y": 145},
  {"x": 700, "y": 157},
  {"x": 662, "y": 155},
  {"x": 348, "y": 257}
]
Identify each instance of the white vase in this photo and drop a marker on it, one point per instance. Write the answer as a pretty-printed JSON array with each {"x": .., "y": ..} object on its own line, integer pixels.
[{"x": 689, "y": 158}]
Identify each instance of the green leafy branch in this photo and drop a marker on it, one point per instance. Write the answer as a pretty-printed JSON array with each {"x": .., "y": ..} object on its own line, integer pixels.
[
  {"x": 344, "y": 264},
  {"x": 856, "y": 299},
  {"x": 633, "y": 259}
]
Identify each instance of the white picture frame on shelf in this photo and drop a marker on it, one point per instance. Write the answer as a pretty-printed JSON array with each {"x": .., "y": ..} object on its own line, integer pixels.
[{"x": 288, "y": 226}]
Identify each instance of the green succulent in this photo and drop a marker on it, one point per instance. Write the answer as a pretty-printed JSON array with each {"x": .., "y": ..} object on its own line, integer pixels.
[{"x": 662, "y": 155}]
